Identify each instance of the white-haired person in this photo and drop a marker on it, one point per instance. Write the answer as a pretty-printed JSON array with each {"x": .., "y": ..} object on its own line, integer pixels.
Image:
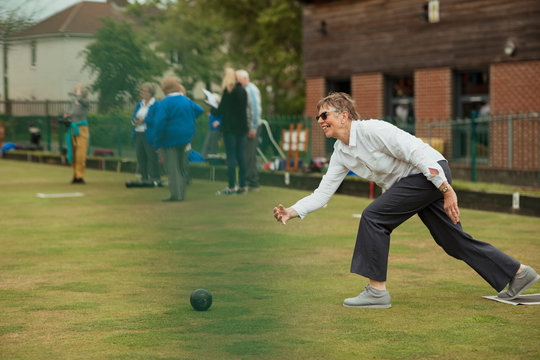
[
  {"x": 254, "y": 120},
  {"x": 417, "y": 180},
  {"x": 78, "y": 135},
  {"x": 147, "y": 157}
]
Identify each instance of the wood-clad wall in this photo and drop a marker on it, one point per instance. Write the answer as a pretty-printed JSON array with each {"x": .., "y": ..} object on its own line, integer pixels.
[{"x": 392, "y": 36}]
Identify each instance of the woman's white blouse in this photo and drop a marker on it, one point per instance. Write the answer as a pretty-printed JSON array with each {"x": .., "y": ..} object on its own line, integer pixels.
[
  {"x": 380, "y": 152},
  {"x": 141, "y": 114}
]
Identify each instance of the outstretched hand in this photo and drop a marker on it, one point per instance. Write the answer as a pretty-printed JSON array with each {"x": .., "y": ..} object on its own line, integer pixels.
[{"x": 283, "y": 214}]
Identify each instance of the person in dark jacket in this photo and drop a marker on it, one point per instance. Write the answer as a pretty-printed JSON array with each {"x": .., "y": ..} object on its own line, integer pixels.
[
  {"x": 234, "y": 127},
  {"x": 174, "y": 127}
]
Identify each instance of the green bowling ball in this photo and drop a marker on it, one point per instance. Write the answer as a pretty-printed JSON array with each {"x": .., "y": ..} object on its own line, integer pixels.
[{"x": 201, "y": 299}]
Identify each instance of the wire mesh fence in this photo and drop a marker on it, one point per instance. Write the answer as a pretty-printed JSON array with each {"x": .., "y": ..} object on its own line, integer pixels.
[
  {"x": 112, "y": 134},
  {"x": 500, "y": 148}
]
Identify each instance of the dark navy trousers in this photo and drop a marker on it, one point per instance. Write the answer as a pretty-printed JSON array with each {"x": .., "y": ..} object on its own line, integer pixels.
[{"x": 415, "y": 194}]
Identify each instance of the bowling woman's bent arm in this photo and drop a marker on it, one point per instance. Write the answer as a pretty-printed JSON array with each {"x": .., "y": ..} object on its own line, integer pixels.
[{"x": 283, "y": 214}]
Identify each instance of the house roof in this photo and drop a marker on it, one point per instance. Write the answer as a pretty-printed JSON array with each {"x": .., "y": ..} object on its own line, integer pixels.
[{"x": 81, "y": 18}]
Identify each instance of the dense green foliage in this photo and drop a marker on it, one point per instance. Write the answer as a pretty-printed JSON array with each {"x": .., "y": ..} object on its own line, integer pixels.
[
  {"x": 200, "y": 37},
  {"x": 121, "y": 59},
  {"x": 266, "y": 37}
]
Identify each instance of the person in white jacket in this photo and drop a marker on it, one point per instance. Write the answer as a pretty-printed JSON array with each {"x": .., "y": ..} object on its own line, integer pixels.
[{"x": 417, "y": 180}]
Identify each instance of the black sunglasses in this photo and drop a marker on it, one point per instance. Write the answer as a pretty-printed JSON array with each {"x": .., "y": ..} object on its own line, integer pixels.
[{"x": 324, "y": 115}]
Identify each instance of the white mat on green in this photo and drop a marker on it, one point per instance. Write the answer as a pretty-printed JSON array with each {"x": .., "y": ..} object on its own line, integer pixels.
[
  {"x": 532, "y": 299},
  {"x": 58, "y": 195}
]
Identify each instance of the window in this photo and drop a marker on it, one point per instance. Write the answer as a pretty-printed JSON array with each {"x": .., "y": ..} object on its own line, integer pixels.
[
  {"x": 399, "y": 101},
  {"x": 33, "y": 53},
  {"x": 472, "y": 93},
  {"x": 336, "y": 85},
  {"x": 471, "y": 103}
]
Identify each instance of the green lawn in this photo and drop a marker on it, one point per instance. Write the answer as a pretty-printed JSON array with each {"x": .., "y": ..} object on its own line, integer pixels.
[{"x": 109, "y": 275}]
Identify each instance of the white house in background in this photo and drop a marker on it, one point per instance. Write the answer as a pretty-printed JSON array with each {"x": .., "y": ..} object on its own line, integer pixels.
[{"x": 45, "y": 61}]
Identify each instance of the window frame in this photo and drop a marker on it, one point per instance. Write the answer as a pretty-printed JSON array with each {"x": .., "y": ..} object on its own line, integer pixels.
[
  {"x": 33, "y": 53},
  {"x": 391, "y": 101}
]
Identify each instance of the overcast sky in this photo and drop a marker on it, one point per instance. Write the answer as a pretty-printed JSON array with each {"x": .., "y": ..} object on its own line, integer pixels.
[{"x": 38, "y": 9}]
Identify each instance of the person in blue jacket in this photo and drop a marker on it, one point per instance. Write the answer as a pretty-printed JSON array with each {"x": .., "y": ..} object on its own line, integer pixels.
[
  {"x": 174, "y": 127},
  {"x": 147, "y": 157}
]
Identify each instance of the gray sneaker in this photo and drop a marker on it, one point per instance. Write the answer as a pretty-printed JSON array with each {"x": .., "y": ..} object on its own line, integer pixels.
[
  {"x": 519, "y": 283},
  {"x": 370, "y": 298}
]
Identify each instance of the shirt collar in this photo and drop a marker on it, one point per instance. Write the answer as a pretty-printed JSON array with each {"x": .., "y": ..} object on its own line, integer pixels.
[
  {"x": 352, "y": 135},
  {"x": 149, "y": 103}
]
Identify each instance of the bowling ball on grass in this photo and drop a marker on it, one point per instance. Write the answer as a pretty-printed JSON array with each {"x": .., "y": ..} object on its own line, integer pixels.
[{"x": 201, "y": 299}]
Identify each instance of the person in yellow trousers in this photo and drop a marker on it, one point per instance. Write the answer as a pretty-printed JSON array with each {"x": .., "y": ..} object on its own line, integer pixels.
[{"x": 78, "y": 135}]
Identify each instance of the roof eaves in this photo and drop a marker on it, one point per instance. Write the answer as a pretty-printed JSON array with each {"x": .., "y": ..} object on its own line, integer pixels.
[{"x": 51, "y": 36}]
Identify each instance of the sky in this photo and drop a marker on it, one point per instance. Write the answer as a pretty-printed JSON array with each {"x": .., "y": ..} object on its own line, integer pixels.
[{"x": 38, "y": 9}]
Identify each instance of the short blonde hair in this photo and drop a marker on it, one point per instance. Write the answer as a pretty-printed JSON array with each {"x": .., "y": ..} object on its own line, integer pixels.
[
  {"x": 341, "y": 102},
  {"x": 170, "y": 85}
]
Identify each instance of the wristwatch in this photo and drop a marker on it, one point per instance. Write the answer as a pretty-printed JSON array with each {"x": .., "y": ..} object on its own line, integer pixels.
[{"x": 445, "y": 189}]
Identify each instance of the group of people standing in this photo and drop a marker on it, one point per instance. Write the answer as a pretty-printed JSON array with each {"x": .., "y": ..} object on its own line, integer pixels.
[{"x": 169, "y": 125}]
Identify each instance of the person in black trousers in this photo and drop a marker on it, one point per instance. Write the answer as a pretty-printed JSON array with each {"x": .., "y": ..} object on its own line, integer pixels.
[
  {"x": 417, "y": 180},
  {"x": 234, "y": 127}
]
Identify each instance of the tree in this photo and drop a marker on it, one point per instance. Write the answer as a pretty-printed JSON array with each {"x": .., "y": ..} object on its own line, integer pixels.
[
  {"x": 262, "y": 36},
  {"x": 266, "y": 39},
  {"x": 189, "y": 34},
  {"x": 122, "y": 60},
  {"x": 193, "y": 36},
  {"x": 11, "y": 22}
]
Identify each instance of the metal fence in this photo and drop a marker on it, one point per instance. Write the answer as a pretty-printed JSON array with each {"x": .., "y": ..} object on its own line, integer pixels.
[
  {"x": 40, "y": 108},
  {"x": 112, "y": 134},
  {"x": 503, "y": 149}
]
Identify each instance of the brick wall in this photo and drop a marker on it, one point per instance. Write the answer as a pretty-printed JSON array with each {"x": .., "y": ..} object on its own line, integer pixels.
[
  {"x": 315, "y": 91},
  {"x": 515, "y": 87},
  {"x": 433, "y": 103},
  {"x": 432, "y": 96},
  {"x": 368, "y": 93}
]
